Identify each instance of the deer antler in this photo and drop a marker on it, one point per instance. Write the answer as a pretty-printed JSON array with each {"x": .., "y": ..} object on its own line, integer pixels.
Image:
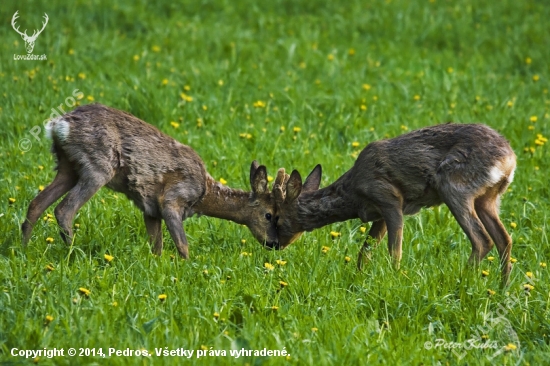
[
  {"x": 13, "y": 19},
  {"x": 279, "y": 186},
  {"x": 35, "y": 34}
]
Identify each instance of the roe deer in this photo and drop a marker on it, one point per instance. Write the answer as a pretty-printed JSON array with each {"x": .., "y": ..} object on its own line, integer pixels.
[
  {"x": 98, "y": 146},
  {"x": 466, "y": 166}
]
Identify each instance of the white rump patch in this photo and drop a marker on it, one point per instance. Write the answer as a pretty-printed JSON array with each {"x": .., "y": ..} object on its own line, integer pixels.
[
  {"x": 58, "y": 127},
  {"x": 495, "y": 175},
  {"x": 511, "y": 176}
]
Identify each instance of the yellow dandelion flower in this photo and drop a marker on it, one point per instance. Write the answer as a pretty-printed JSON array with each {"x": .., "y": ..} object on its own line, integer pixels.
[
  {"x": 40, "y": 188},
  {"x": 533, "y": 119},
  {"x": 155, "y": 48},
  {"x": 335, "y": 234},
  {"x": 366, "y": 86},
  {"x": 269, "y": 266},
  {"x": 220, "y": 82},
  {"x": 90, "y": 98},
  {"x": 530, "y": 128},
  {"x": 216, "y": 315},
  {"x": 416, "y": 97},
  {"x": 49, "y": 268},
  {"x": 174, "y": 124},
  {"x": 71, "y": 52},
  {"x": 274, "y": 308},
  {"x": 283, "y": 284},
  {"x": 108, "y": 257},
  {"x": 330, "y": 57},
  {"x": 450, "y": 70},
  {"x": 162, "y": 297},
  {"x": 351, "y": 52},
  {"x": 49, "y": 240},
  {"x": 363, "y": 107},
  {"x": 186, "y": 97},
  {"x": 204, "y": 107},
  {"x": 280, "y": 262},
  {"x": 77, "y": 225},
  {"x": 296, "y": 129},
  {"x": 325, "y": 249},
  {"x": 485, "y": 337},
  {"x": 528, "y": 60},
  {"x": 510, "y": 103},
  {"x": 11, "y": 200},
  {"x": 513, "y": 260},
  {"x": 282, "y": 129},
  {"x": 164, "y": 82},
  {"x": 314, "y": 329},
  {"x": 355, "y": 144},
  {"x": 490, "y": 292},
  {"x": 205, "y": 272},
  {"x": 513, "y": 225},
  {"x": 49, "y": 319},
  {"x": 243, "y": 241},
  {"x": 114, "y": 303},
  {"x": 347, "y": 259},
  {"x": 528, "y": 287},
  {"x": 269, "y": 178},
  {"x": 223, "y": 181},
  {"x": 485, "y": 273},
  {"x": 363, "y": 229},
  {"x": 510, "y": 347},
  {"x": 136, "y": 58},
  {"x": 536, "y": 78},
  {"x": 542, "y": 264},
  {"x": 490, "y": 258},
  {"x": 84, "y": 291},
  {"x": 259, "y": 104},
  {"x": 529, "y": 274},
  {"x": 404, "y": 128}
]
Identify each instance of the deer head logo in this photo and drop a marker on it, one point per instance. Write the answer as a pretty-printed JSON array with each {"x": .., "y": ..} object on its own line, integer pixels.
[{"x": 29, "y": 41}]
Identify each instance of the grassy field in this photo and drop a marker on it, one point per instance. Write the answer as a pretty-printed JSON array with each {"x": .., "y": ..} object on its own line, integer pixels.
[{"x": 291, "y": 84}]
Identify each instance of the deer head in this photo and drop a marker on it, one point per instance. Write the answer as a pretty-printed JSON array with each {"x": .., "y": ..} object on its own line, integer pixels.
[
  {"x": 287, "y": 190},
  {"x": 29, "y": 40}
]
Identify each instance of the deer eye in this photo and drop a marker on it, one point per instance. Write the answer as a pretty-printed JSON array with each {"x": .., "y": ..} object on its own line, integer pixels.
[{"x": 268, "y": 216}]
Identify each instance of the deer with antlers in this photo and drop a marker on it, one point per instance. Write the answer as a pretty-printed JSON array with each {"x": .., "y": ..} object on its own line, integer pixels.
[
  {"x": 29, "y": 40},
  {"x": 466, "y": 166},
  {"x": 98, "y": 146}
]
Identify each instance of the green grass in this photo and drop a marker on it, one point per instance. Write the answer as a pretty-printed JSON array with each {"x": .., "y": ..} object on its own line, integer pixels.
[{"x": 308, "y": 61}]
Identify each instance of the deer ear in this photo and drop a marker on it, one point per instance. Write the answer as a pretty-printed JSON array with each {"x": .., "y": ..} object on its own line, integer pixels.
[
  {"x": 293, "y": 186},
  {"x": 253, "y": 167},
  {"x": 258, "y": 180},
  {"x": 313, "y": 180}
]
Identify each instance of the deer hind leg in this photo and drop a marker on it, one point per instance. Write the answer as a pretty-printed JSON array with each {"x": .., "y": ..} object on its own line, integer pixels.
[
  {"x": 465, "y": 214},
  {"x": 173, "y": 220},
  {"x": 62, "y": 183},
  {"x": 65, "y": 212},
  {"x": 154, "y": 230},
  {"x": 486, "y": 207},
  {"x": 377, "y": 231}
]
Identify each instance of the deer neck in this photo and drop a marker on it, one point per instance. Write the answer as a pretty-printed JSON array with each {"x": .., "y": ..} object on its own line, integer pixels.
[
  {"x": 223, "y": 202},
  {"x": 326, "y": 206}
]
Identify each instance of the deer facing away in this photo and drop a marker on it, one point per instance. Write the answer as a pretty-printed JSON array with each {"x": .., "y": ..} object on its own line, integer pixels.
[
  {"x": 98, "y": 146},
  {"x": 466, "y": 166}
]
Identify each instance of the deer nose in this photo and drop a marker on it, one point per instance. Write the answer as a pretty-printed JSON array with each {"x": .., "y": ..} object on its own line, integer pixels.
[{"x": 273, "y": 245}]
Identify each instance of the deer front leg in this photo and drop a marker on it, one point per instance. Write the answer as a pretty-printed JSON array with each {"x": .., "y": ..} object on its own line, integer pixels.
[
  {"x": 173, "y": 221},
  {"x": 154, "y": 231},
  {"x": 377, "y": 231},
  {"x": 394, "y": 222}
]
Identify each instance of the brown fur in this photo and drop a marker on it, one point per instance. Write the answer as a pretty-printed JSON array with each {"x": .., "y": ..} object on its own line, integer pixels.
[
  {"x": 466, "y": 166},
  {"x": 164, "y": 178}
]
